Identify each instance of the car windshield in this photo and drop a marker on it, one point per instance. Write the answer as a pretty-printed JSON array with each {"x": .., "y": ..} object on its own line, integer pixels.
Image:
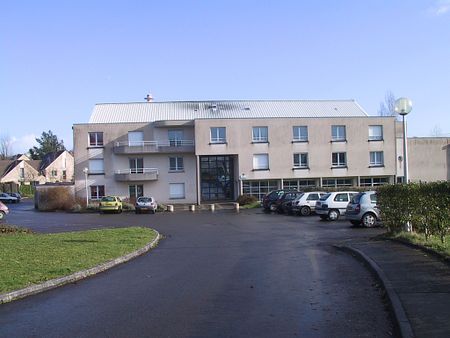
[
  {"x": 299, "y": 196},
  {"x": 145, "y": 199},
  {"x": 324, "y": 197},
  {"x": 108, "y": 199}
]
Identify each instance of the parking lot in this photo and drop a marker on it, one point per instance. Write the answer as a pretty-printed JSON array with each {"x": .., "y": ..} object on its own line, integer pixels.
[{"x": 215, "y": 274}]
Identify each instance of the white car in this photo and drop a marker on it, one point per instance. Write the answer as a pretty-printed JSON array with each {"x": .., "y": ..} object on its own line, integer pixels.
[
  {"x": 145, "y": 204},
  {"x": 306, "y": 203},
  {"x": 3, "y": 210},
  {"x": 334, "y": 204},
  {"x": 7, "y": 198}
]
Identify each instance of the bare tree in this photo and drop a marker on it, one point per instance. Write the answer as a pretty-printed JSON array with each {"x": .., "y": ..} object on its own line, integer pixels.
[
  {"x": 436, "y": 131},
  {"x": 387, "y": 108},
  {"x": 5, "y": 146}
]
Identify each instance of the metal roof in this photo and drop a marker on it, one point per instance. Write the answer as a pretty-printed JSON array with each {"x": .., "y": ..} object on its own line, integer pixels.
[{"x": 192, "y": 110}]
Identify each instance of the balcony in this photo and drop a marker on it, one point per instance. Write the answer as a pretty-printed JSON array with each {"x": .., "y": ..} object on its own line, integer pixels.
[
  {"x": 149, "y": 147},
  {"x": 137, "y": 174}
]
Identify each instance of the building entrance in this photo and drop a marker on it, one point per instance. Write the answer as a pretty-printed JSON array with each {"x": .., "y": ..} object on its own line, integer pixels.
[{"x": 216, "y": 178}]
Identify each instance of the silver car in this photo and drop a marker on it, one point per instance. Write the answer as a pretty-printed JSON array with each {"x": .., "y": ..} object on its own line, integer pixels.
[
  {"x": 363, "y": 209},
  {"x": 306, "y": 203},
  {"x": 145, "y": 204},
  {"x": 3, "y": 210}
]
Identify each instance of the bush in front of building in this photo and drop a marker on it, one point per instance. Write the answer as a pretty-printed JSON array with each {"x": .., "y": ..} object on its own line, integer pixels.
[
  {"x": 246, "y": 199},
  {"x": 54, "y": 198},
  {"x": 426, "y": 206}
]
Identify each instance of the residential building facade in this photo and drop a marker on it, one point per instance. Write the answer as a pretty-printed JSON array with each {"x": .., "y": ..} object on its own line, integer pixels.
[{"x": 204, "y": 151}]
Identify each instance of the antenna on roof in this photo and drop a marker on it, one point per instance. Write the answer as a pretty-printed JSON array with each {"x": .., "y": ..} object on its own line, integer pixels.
[{"x": 149, "y": 98}]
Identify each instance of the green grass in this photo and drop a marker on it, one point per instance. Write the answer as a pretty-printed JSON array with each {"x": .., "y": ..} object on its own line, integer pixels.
[
  {"x": 253, "y": 205},
  {"x": 27, "y": 259},
  {"x": 433, "y": 242}
]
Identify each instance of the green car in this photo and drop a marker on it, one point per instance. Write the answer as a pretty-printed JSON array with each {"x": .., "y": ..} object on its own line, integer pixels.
[{"x": 110, "y": 203}]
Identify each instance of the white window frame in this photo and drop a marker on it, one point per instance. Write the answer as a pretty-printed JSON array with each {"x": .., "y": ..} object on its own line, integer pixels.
[
  {"x": 340, "y": 161},
  {"x": 216, "y": 136},
  {"x": 376, "y": 133},
  {"x": 97, "y": 195},
  {"x": 176, "y": 163},
  {"x": 300, "y": 133},
  {"x": 177, "y": 191},
  {"x": 260, "y": 134},
  {"x": 376, "y": 159},
  {"x": 261, "y": 161},
  {"x": 338, "y": 133},
  {"x": 99, "y": 141},
  {"x": 300, "y": 160}
]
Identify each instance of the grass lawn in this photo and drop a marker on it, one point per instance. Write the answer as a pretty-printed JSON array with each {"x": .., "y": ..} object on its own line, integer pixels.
[
  {"x": 253, "y": 205},
  {"x": 433, "y": 242},
  {"x": 27, "y": 259}
]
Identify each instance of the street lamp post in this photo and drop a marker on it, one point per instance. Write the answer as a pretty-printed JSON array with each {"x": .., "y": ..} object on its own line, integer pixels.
[
  {"x": 242, "y": 177},
  {"x": 86, "y": 171},
  {"x": 403, "y": 106}
]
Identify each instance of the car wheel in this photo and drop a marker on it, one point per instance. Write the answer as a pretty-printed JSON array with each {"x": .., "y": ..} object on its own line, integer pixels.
[
  {"x": 356, "y": 223},
  {"x": 2, "y": 214},
  {"x": 369, "y": 220},
  {"x": 153, "y": 211},
  {"x": 273, "y": 207},
  {"x": 333, "y": 215},
  {"x": 305, "y": 211}
]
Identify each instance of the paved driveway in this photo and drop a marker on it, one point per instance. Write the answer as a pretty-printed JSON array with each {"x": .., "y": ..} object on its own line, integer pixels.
[{"x": 216, "y": 274}]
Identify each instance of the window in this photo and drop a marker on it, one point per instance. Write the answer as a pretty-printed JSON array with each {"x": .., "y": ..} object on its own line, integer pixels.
[
  {"x": 376, "y": 159},
  {"x": 176, "y": 190},
  {"x": 300, "y": 134},
  {"x": 337, "y": 182},
  {"x": 338, "y": 133},
  {"x": 218, "y": 135},
  {"x": 258, "y": 188},
  {"x": 135, "y": 138},
  {"x": 96, "y": 139},
  {"x": 54, "y": 173},
  {"x": 301, "y": 160},
  {"x": 298, "y": 184},
  {"x": 313, "y": 197},
  {"x": 22, "y": 173},
  {"x": 96, "y": 166},
  {"x": 136, "y": 165},
  {"x": 176, "y": 164},
  {"x": 375, "y": 133},
  {"x": 339, "y": 159},
  {"x": 175, "y": 137},
  {"x": 64, "y": 174},
  {"x": 261, "y": 162},
  {"x": 136, "y": 191},
  {"x": 260, "y": 134},
  {"x": 343, "y": 197},
  {"x": 373, "y": 181},
  {"x": 97, "y": 191}
]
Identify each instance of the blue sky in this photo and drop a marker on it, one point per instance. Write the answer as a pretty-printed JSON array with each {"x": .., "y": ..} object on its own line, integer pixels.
[{"x": 59, "y": 58}]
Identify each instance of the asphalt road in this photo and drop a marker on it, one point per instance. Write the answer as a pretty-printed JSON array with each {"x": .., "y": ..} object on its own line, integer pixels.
[{"x": 218, "y": 274}]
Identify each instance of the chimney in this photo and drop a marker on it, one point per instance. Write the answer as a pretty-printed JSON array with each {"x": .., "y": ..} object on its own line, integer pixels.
[{"x": 149, "y": 98}]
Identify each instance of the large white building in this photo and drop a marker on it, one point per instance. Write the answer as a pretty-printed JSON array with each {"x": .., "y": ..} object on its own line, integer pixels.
[{"x": 193, "y": 152}]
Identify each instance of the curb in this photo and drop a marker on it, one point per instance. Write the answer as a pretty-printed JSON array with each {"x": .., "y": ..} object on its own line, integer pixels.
[
  {"x": 54, "y": 283},
  {"x": 402, "y": 321}
]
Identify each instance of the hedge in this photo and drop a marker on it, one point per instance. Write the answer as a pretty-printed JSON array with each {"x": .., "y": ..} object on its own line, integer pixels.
[{"x": 426, "y": 206}]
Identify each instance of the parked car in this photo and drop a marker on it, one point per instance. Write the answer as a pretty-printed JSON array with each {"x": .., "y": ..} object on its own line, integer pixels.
[
  {"x": 276, "y": 198},
  {"x": 145, "y": 204},
  {"x": 334, "y": 204},
  {"x": 3, "y": 210},
  {"x": 7, "y": 198},
  {"x": 306, "y": 203},
  {"x": 363, "y": 209},
  {"x": 287, "y": 206},
  {"x": 110, "y": 203},
  {"x": 16, "y": 195}
]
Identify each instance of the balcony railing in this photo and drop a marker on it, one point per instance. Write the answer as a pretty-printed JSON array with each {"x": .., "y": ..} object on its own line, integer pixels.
[
  {"x": 142, "y": 147},
  {"x": 136, "y": 174}
]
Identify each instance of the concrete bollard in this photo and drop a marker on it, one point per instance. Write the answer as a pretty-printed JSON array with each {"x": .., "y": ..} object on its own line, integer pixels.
[
  {"x": 212, "y": 207},
  {"x": 192, "y": 207},
  {"x": 236, "y": 206},
  {"x": 170, "y": 208}
]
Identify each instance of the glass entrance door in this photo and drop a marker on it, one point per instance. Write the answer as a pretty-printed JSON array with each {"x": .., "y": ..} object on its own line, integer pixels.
[{"x": 216, "y": 177}]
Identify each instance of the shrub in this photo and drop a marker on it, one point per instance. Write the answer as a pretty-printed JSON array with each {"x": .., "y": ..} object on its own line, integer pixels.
[
  {"x": 55, "y": 198},
  {"x": 246, "y": 199},
  {"x": 6, "y": 229}
]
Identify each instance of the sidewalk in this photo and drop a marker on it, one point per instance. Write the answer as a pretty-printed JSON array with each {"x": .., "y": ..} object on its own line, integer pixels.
[{"x": 420, "y": 280}]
